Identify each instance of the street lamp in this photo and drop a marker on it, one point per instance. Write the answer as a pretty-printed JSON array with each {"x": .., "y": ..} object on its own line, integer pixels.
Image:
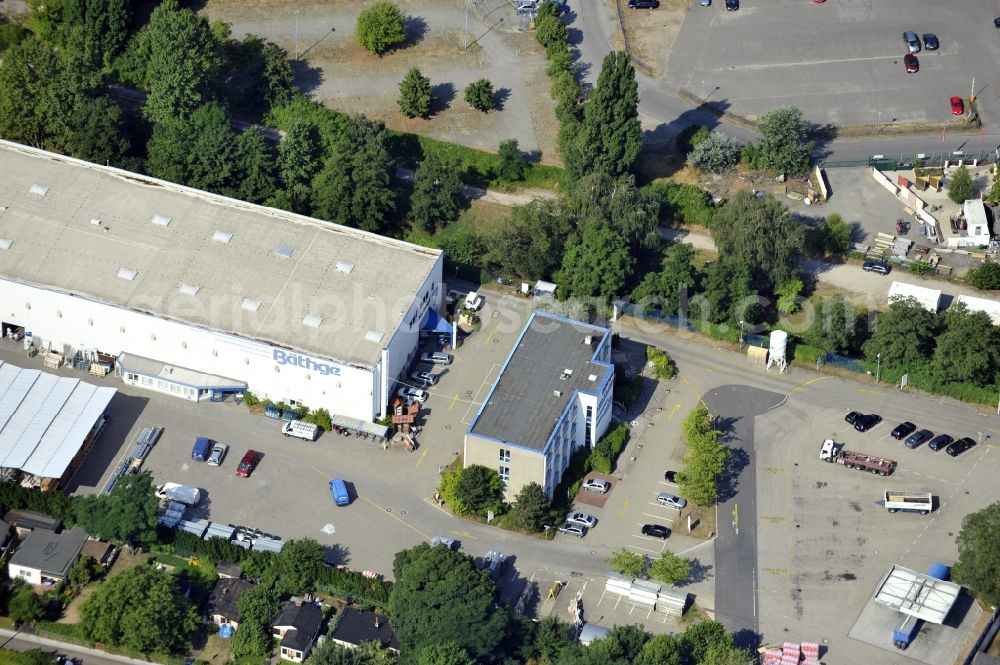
[
  {"x": 297, "y": 34},
  {"x": 742, "y": 322},
  {"x": 878, "y": 367}
]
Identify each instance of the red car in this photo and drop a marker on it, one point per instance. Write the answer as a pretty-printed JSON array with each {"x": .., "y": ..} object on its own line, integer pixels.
[
  {"x": 957, "y": 107},
  {"x": 912, "y": 65},
  {"x": 248, "y": 464}
]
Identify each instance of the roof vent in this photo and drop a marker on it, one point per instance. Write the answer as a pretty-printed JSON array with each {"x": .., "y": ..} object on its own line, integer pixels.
[
  {"x": 38, "y": 190},
  {"x": 250, "y": 305},
  {"x": 374, "y": 336},
  {"x": 566, "y": 373},
  {"x": 222, "y": 236},
  {"x": 5, "y": 243},
  {"x": 312, "y": 320},
  {"x": 344, "y": 267},
  {"x": 161, "y": 220},
  {"x": 588, "y": 340},
  {"x": 190, "y": 289},
  {"x": 592, "y": 377},
  {"x": 127, "y": 273},
  {"x": 283, "y": 252}
]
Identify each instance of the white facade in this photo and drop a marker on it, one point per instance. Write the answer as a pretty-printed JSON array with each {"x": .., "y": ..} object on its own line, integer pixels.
[
  {"x": 573, "y": 432},
  {"x": 990, "y": 307},
  {"x": 65, "y": 323},
  {"x": 977, "y": 227},
  {"x": 29, "y": 575},
  {"x": 930, "y": 299}
]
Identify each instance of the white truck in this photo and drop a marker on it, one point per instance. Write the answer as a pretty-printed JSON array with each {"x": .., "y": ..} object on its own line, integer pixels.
[
  {"x": 909, "y": 502},
  {"x": 190, "y": 496},
  {"x": 301, "y": 430}
]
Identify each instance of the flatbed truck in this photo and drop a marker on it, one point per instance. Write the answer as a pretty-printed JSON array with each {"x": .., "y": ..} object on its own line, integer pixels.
[
  {"x": 835, "y": 452},
  {"x": 909, "y": 501}
]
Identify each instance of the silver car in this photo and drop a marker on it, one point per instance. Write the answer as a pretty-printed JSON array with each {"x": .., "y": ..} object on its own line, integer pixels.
[
  {"x": 571, "y": 529},
  {"x": 583, "y": 519},
  {"x": 912, "y": 41},
  {"x": 671, "y": 501},
  {"x": 436, "y": 358},
  {"x": 596, "y": 485},
  {"x": 218, "y": 454}
]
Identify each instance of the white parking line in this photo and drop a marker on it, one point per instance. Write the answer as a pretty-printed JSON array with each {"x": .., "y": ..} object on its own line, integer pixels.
[{"x": 659, "y": 517}]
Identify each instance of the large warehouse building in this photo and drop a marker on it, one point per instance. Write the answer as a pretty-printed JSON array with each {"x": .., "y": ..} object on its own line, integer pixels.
[
  {"x": 552, "y": 397},
  {"x": 198, "y": 295}
]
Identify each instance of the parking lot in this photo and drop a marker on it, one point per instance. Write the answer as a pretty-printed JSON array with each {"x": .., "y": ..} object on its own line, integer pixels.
[
  {"x": 823, "y": 540},
  {"x": 840, "y": 61}
]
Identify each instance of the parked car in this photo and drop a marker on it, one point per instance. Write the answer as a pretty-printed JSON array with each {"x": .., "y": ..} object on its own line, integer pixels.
[
  {"x": 527, "y": 6},
  {"x": 474, "y": 301},
  {"x": 436, "y": 358},
  {"x": 960, "y": 446},
  {"x": 930, "y": 41},
  {"x": 596, "y": 485},
  {"x": 582, "y": 519},
  {"x": 571, "y": 529},
  {"x": 915, "y": 439},
  {"x": 957, "y": 106},
  {"x": 911, "y": 63},
  {"x": 706, "y": 3},
  {"x": 940, "y": 441},
  {"x": 202, "y": 446},
  {"x": 424, "y": 378},
  {"x": 851, "y": 417},
  {"x": 248, "y": 464},
  {"x": 903, "y": 430},
  {"x": 671, "y": 501},
  {"x": 643, "y": 4},
  {"x": 413, "y": 394},
  {"x": 732, "y": 5},
  {"x": 448, "y": 543},
  {"x": 880, "y": 267},
  {"x": 218, "y": 454},
  {"x": 670, "y": 476},
  {"x": 655, "y": 531},
  {"x": 866, "y": 422},
  {"x": 912, "y": 41},
  {"x": 338, "y": 490}
]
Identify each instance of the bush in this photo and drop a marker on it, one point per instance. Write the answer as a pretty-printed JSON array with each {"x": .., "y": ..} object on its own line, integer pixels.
[
  {"x": 663, "y": 366},
  {"x": 599, "y": 462},
  {"x": 985, "y": 276},
  {"x": 685, "y": 203},
  {"x": 691, "y": 136},
  {"x": 511, "y": 166},
  {"x": 11, "y": 34},
  {"x": 479, "y": 95},
  {"x": 415, "y": 96},
  {"x": 717, "y": 153},
  {"x": 578, "y": 467},
  {"x": 380, "y": 27},
  {"x": 961, "y": 187}
]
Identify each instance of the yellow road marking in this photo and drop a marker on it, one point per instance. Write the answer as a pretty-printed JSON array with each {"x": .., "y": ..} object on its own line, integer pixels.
[
  {"x": 871, "y": 392},
  {"x": 807, "y": 383},
  {"x": 422, "y": 458},
  {"x": 322, "y": 473},
  {"x": 693, "y": 389},
  {"x": 464, "y": 535},
  {"x": 674, "y": 410},
  {"x": 396, "y": 517},
  {"x": 453, "y": 401},
  {"x": 624, "y": 506}
]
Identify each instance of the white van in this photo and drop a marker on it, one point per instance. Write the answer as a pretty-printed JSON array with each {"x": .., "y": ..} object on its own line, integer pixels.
[{"x": 301, "y": 430}]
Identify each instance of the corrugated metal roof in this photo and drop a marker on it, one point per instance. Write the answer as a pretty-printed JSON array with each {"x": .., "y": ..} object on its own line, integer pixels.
[
  {"x": 26, "y": 397},
  {"x": 50, "y": 403},
  {"x": 917, "y": 594}
]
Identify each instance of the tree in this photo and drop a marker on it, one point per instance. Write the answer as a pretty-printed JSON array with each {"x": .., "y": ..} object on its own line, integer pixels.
[
  {"x": 479, "y": 95},
  {"x": 141, "y": 609},
  {"x": 380, "y": 27},
  {"x": 447, "y": 653},
  {"x": 83, "y": 571},
  {"x": 104, "y": 25},
  {"x": 354, "y": 187},
  {"x": 415, "y": 96},
  {"x": 835, "y": 236},
  {"x": 986, "y": 276},
  {"x": 961, "y": 188},
  {"x": 670, "y": 568},
  {"x": 598, "y": 200},
  {"x": 704, "y": 460},
  {"x": 511, "y": 165},
  {"x": 660, "y": 650},
  {"x": 699, "y": 639},
  {"x": 551, "y": 638},
  {"x": 212, "y": 142},
  {"x": 668, "y": 288},
  {"x": 788, "y": 295},
  {"x": 277, "y": 84},
  {"x": 183, "y": 61},
  {"x": 549, "y": 30},
  {"x": 627, "y": 562},
  {"x": 96, "y": 133},
  {"x": 250, "y": 640},
  {"x": 968, "y": 350},
  {"x": 298, "y": 160},
  {"x": 833, "y": 328},
  {"x": 437, "y": 189},
  {"x": 978, "y": 565},
  {"x": 596, "y": 264},
  {"x": 366, "y": 653},
  {"x": 25, "y": 605},
  {"x": 531, "y": 508},
  {"x": 258, "y": 606},
  {"x": 783, "y": 140},
  {"x": 728, "y": 295},
  {"x": 126, "y": 515},
  {"x": 299, "y": 565},
  {"x": 721, "y": 654},
  {"x": 763, "y": 234},
  {"x": 530, "y": 244},
  {"x": 32, "y": 107},
  {"x": 610, "y": 137},
  {"x": 716, "y": 153},
  {"x": 903, "y": 335},
  {"x": 439, "y": 596},
  {"x": 253, "y": 176},
  {"x": 479, "y": 489}
]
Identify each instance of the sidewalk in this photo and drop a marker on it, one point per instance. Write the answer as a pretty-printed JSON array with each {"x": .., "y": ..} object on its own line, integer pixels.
[{"x": 68, "y": 647}]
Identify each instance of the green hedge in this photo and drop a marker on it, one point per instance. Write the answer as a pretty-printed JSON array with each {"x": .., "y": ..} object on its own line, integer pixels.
[{"x": 663, "y": 366}]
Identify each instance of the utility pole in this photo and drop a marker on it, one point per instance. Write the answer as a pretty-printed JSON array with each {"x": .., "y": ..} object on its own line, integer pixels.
[{"x": 296, "y": 34}]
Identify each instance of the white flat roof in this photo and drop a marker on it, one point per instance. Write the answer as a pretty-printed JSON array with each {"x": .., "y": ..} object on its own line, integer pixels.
[
  {"x": 146, "y": 244},
  {"x": 929, "y": 298},
  {"x": 917, "y": 594},
  {"x": 991, "y": 307},
  {"x": 44, "y": 419}
]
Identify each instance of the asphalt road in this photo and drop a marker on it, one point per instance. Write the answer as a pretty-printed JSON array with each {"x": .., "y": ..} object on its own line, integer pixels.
[{"x": 16, "y": 641}]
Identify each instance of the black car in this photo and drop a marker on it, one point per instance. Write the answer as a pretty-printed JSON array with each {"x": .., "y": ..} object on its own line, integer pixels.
[
  {"x": 940, "y": 441},
  {"x": 670, "y": 476},
  {"x": 643, "y": 4},
  {"x": 915, "y": 439},
  {"x": 876, "y": 266},
  {"x": 851, "y": 417},
  {"x": 930, "y": 41},
  {"x": 902, "y": 430},
  {"x": 655, "y": 531},
  {"x": 865, "y": 423},
  {"x": 732, "y": 5},
  {"x": 960, "y": 446}
]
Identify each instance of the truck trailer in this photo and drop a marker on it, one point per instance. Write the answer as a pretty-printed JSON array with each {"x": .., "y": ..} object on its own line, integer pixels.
[
  {"x": 835, "y": 452},
  {"x": 909, "y": 502}
]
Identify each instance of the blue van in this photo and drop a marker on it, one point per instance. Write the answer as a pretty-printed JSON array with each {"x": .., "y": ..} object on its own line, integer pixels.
[
  {"x": 202, "y": 446},
  {"x": 338, "y": 488}
]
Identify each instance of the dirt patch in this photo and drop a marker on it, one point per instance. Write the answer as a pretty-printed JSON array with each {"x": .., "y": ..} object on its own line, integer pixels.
[
  {"x": 71, "y": 613},
  {"x": 215, "y": 651},
  {"x": 704, "y": 520},
  {"x": 650, "y": 34}
]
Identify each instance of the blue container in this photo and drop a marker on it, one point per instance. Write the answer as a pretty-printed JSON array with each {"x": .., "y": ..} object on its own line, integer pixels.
[
  {"x": 199, "y": 452},
  {"x": 939, "y": 571}
]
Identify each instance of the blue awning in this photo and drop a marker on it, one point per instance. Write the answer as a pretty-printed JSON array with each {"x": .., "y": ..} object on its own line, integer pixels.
[{"x": 436, "y": 323}]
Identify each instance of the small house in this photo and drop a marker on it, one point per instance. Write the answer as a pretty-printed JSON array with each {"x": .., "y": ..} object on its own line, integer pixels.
[
  {"x": 26, "y": 521},
  {"x": 227, "y": 570},
  {"x": 297, "y": 627},
  {"x": 45, "y": 557},
  {"x": 930, "y": 299},
  {"x": 356, "y": 626},
  {"x": 222, "y": 608}
]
